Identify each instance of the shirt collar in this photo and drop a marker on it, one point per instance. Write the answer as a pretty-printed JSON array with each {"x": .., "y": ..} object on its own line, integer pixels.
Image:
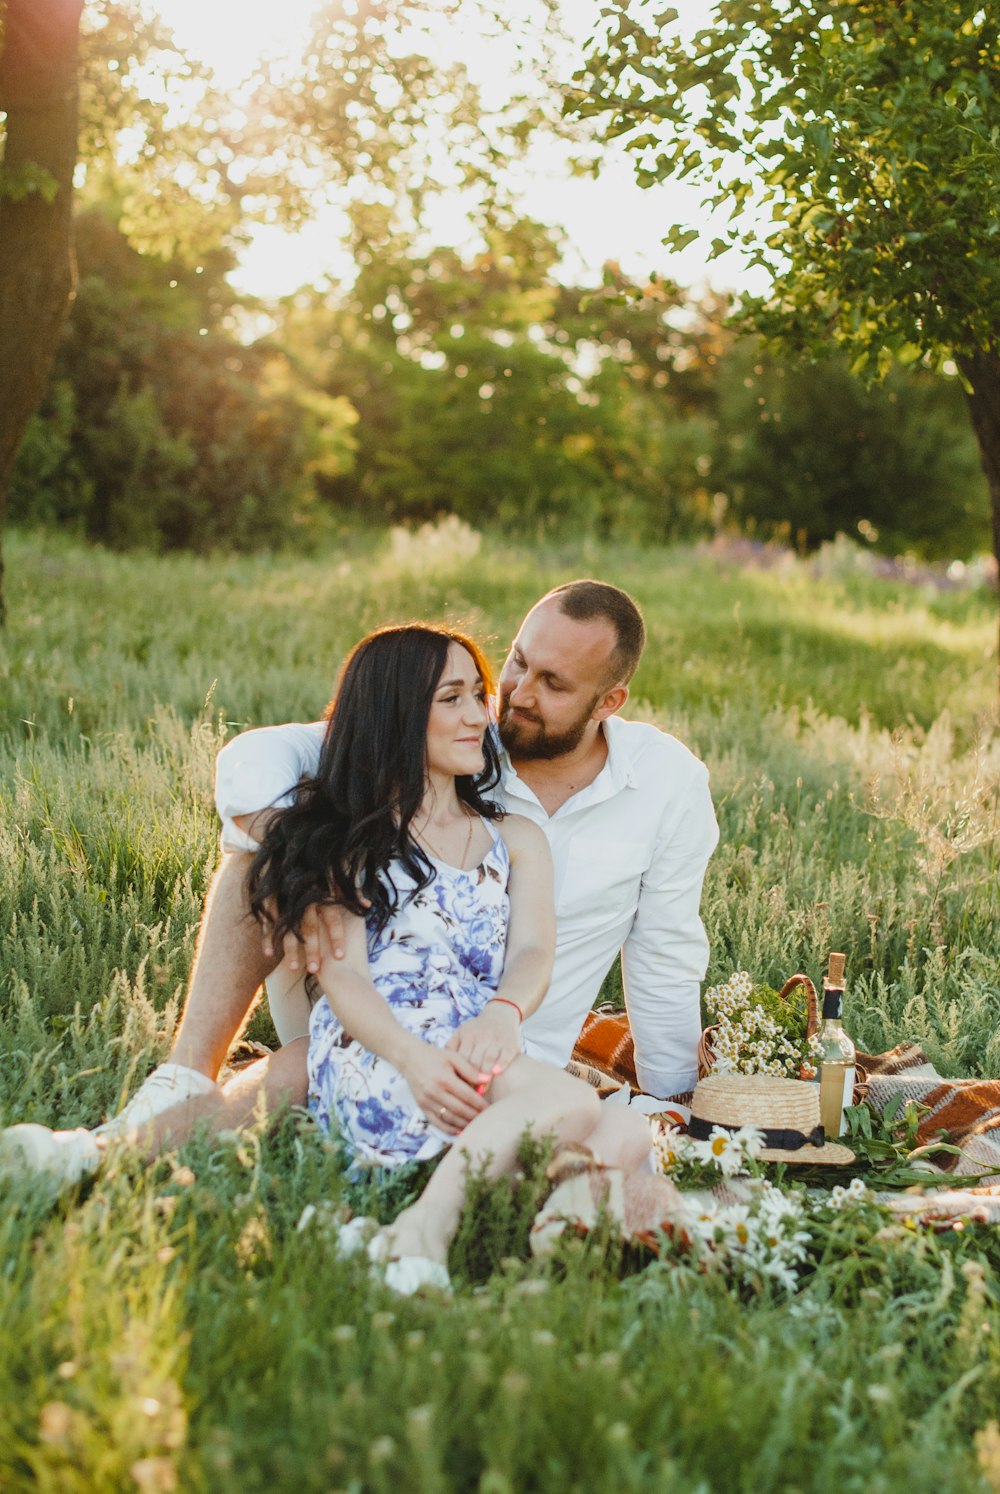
[{"x": 617, "y": 773}]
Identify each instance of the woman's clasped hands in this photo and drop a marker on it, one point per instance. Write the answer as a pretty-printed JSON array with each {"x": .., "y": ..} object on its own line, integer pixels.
[
  {"x": 490, "y": 1041},
  {"x": 450, "y": 1084}
]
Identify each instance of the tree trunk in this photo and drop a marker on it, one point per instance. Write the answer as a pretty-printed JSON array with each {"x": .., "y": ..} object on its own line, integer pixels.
[
  {"x": 982, "y": 371},
  {"x": 39, "y": 92}
]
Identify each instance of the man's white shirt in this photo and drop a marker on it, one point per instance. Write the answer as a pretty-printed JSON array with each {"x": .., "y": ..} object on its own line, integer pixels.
[{"x": 629, "y": 853}]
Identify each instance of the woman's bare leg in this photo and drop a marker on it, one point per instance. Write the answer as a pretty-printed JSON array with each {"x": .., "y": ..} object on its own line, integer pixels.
[{"x": 527, "y": 1096}]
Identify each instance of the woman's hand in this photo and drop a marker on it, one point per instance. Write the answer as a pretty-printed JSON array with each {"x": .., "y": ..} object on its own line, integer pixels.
[
  {"x": 444, "y": 1085},
  {"x": 490, "y": 1041}
]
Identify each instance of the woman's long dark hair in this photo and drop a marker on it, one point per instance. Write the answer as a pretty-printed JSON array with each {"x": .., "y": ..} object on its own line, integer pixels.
[{"x": 353, "y": 818}]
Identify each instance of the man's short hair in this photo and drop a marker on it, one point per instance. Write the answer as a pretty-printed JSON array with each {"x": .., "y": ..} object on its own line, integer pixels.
[{"x": 585, "y": 601}]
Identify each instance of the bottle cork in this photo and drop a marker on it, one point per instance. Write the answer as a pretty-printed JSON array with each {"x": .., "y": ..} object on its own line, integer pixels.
[{"x": 835, "y": 969}]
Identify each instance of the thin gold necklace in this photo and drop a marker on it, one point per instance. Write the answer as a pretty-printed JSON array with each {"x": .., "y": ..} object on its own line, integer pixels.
[{"x": 422, "y": 835}]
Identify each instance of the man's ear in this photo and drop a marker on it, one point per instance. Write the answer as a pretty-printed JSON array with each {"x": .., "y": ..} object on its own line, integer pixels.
[{"x": 610, "y": 703}]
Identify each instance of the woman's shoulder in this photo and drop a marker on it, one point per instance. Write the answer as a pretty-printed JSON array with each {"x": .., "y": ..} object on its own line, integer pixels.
[{"x": 521, "y": 835}]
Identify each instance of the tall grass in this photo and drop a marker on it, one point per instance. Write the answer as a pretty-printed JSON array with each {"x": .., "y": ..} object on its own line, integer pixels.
[{"x": 170, "y": 1328}]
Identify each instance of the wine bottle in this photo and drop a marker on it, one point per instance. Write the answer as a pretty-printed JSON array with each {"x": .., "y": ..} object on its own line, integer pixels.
[{"x": 836, "y": 1060}]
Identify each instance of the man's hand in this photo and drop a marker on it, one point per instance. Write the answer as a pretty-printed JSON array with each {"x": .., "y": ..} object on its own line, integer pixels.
[
  {"x": 490, "y": 1041},
  {"x": 321, "y": 937},
  {"x": 443, "y": 1085}
]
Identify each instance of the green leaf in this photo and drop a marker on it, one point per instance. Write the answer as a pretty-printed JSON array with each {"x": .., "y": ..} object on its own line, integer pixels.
[
  {"x": 679, "y": 238},
  {"x": 893, "y": 1108}
]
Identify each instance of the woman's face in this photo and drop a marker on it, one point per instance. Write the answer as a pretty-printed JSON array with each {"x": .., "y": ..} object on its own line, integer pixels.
[{"x": 458, "y": 717}]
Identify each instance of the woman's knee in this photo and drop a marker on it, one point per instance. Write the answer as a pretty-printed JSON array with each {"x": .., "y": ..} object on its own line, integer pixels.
[
  {"x": 574, "y": 1096},
  {"x": 525, "y": 1073}
]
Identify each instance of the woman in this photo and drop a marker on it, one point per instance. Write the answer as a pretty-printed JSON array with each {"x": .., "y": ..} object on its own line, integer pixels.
[{"x": 450, "y": 934}]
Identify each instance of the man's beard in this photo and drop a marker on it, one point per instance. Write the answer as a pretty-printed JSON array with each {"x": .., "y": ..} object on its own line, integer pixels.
[{"x": 528, "y": 739}]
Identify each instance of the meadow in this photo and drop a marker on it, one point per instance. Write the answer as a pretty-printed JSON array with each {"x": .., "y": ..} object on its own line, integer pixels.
[{"x": 168, "y": 1327}]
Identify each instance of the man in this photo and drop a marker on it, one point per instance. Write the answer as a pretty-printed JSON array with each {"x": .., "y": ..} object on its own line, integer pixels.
[{"x": 628, "y": 815}]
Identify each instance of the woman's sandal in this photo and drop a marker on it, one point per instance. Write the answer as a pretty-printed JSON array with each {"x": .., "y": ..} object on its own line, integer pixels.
[
  {"x": 584, "y": 1190},
  {"x": 404, "y": 1274},
  {"x": 409, "y": 1274}
]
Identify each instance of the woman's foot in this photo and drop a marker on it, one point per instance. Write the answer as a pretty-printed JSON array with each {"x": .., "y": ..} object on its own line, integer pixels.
[
  {"x": 414, "y": 1257},
  {"x": 410, "y": 1235},
  {"x": 407, "y": 1268}
]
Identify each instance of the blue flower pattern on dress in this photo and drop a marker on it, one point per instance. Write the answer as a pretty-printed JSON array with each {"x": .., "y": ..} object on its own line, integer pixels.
[{"x": 437, "y": 962}]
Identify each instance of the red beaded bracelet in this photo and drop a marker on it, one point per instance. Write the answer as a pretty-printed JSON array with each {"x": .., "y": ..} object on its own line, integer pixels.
[{"x": 507, "y": 1002}]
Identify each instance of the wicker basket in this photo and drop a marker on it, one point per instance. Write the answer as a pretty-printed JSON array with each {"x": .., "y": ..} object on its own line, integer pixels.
[{"x": 706, "y": 1055}]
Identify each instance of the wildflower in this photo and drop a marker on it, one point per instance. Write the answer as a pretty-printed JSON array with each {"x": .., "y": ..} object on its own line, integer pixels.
[
  {"x": 720, "y": 1145},
  {"x": 780, "y": 1271},
  {"x": 381, "y": 1450},
  {"x": 670, "y": 1148},
  {"x": 736, "y": 1223},
  {"x": 750, "y": 1140}
]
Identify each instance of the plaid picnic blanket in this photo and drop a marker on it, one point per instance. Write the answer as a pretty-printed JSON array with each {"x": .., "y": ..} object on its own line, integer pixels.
[{"x": 965, "y": 1112}]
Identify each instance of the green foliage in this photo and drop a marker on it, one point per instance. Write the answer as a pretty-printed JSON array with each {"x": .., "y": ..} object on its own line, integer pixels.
[
  {"x": 466, "y": 390},
  {"x": 486, "y": 390},
  {"x": 805, "y": 451},
  {"x": 162, "y": 432},
  {"x": 17, "y": 185},
  {"x": 866, "y": 134},
  {"x": 169, "y": 1327},
  {"x": 854, "y": 148}
]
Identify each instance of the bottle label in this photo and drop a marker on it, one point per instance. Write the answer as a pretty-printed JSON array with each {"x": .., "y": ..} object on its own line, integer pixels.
[
  {"x": 848, "y": 1097},
  {"x": 836, "y": 1091}
]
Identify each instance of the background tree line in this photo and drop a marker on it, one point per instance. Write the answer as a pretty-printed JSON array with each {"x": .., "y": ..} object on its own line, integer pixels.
[{"x": 480, "y": 386}]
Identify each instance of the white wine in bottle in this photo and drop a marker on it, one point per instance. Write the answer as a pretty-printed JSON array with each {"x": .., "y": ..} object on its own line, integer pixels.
[{"x": 836, "y": 1061}]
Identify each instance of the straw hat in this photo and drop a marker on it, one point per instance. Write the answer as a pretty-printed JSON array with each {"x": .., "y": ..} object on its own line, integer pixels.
[{"x": 786, "y": 1110}]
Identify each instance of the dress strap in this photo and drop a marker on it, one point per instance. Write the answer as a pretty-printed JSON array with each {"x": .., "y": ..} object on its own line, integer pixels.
[
  {"x": 491, "y": 826},
  {"x": 498, "y": 849}
]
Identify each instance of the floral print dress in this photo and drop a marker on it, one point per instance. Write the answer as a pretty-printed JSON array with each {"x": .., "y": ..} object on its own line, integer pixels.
[{"x": 437, "y": 962}]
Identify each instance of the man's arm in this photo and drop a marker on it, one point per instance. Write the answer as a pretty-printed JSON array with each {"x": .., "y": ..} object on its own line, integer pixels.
[
  {"x": 255, "y": 774},
  {"x": 258, "y": 771},
  {"x": 666, "y": 954}
]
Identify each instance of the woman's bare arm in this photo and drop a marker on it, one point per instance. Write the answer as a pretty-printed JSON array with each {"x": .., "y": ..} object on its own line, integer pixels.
[{"x": 492, "y": 1039}]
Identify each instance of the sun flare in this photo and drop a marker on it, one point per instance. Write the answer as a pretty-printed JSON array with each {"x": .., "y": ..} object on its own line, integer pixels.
[{"x": 232, "y": 35}]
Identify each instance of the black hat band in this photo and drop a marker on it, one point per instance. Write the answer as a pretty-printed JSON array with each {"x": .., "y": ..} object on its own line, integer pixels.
[{"x": 775, "y": 1141}]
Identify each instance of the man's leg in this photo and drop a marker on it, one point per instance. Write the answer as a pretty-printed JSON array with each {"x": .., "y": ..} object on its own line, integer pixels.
[
  {"x": 264, "y": 1087},
  {"x": 66, "y": 1157},
  {"x": 229, "y": 967}
]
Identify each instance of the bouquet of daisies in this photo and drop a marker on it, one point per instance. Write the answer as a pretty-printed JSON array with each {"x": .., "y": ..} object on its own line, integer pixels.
[{"x": 755, "y": 1031}]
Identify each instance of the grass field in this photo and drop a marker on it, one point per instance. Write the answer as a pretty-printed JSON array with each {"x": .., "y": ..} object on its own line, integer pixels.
[{"x": 170, "y": 1329}]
